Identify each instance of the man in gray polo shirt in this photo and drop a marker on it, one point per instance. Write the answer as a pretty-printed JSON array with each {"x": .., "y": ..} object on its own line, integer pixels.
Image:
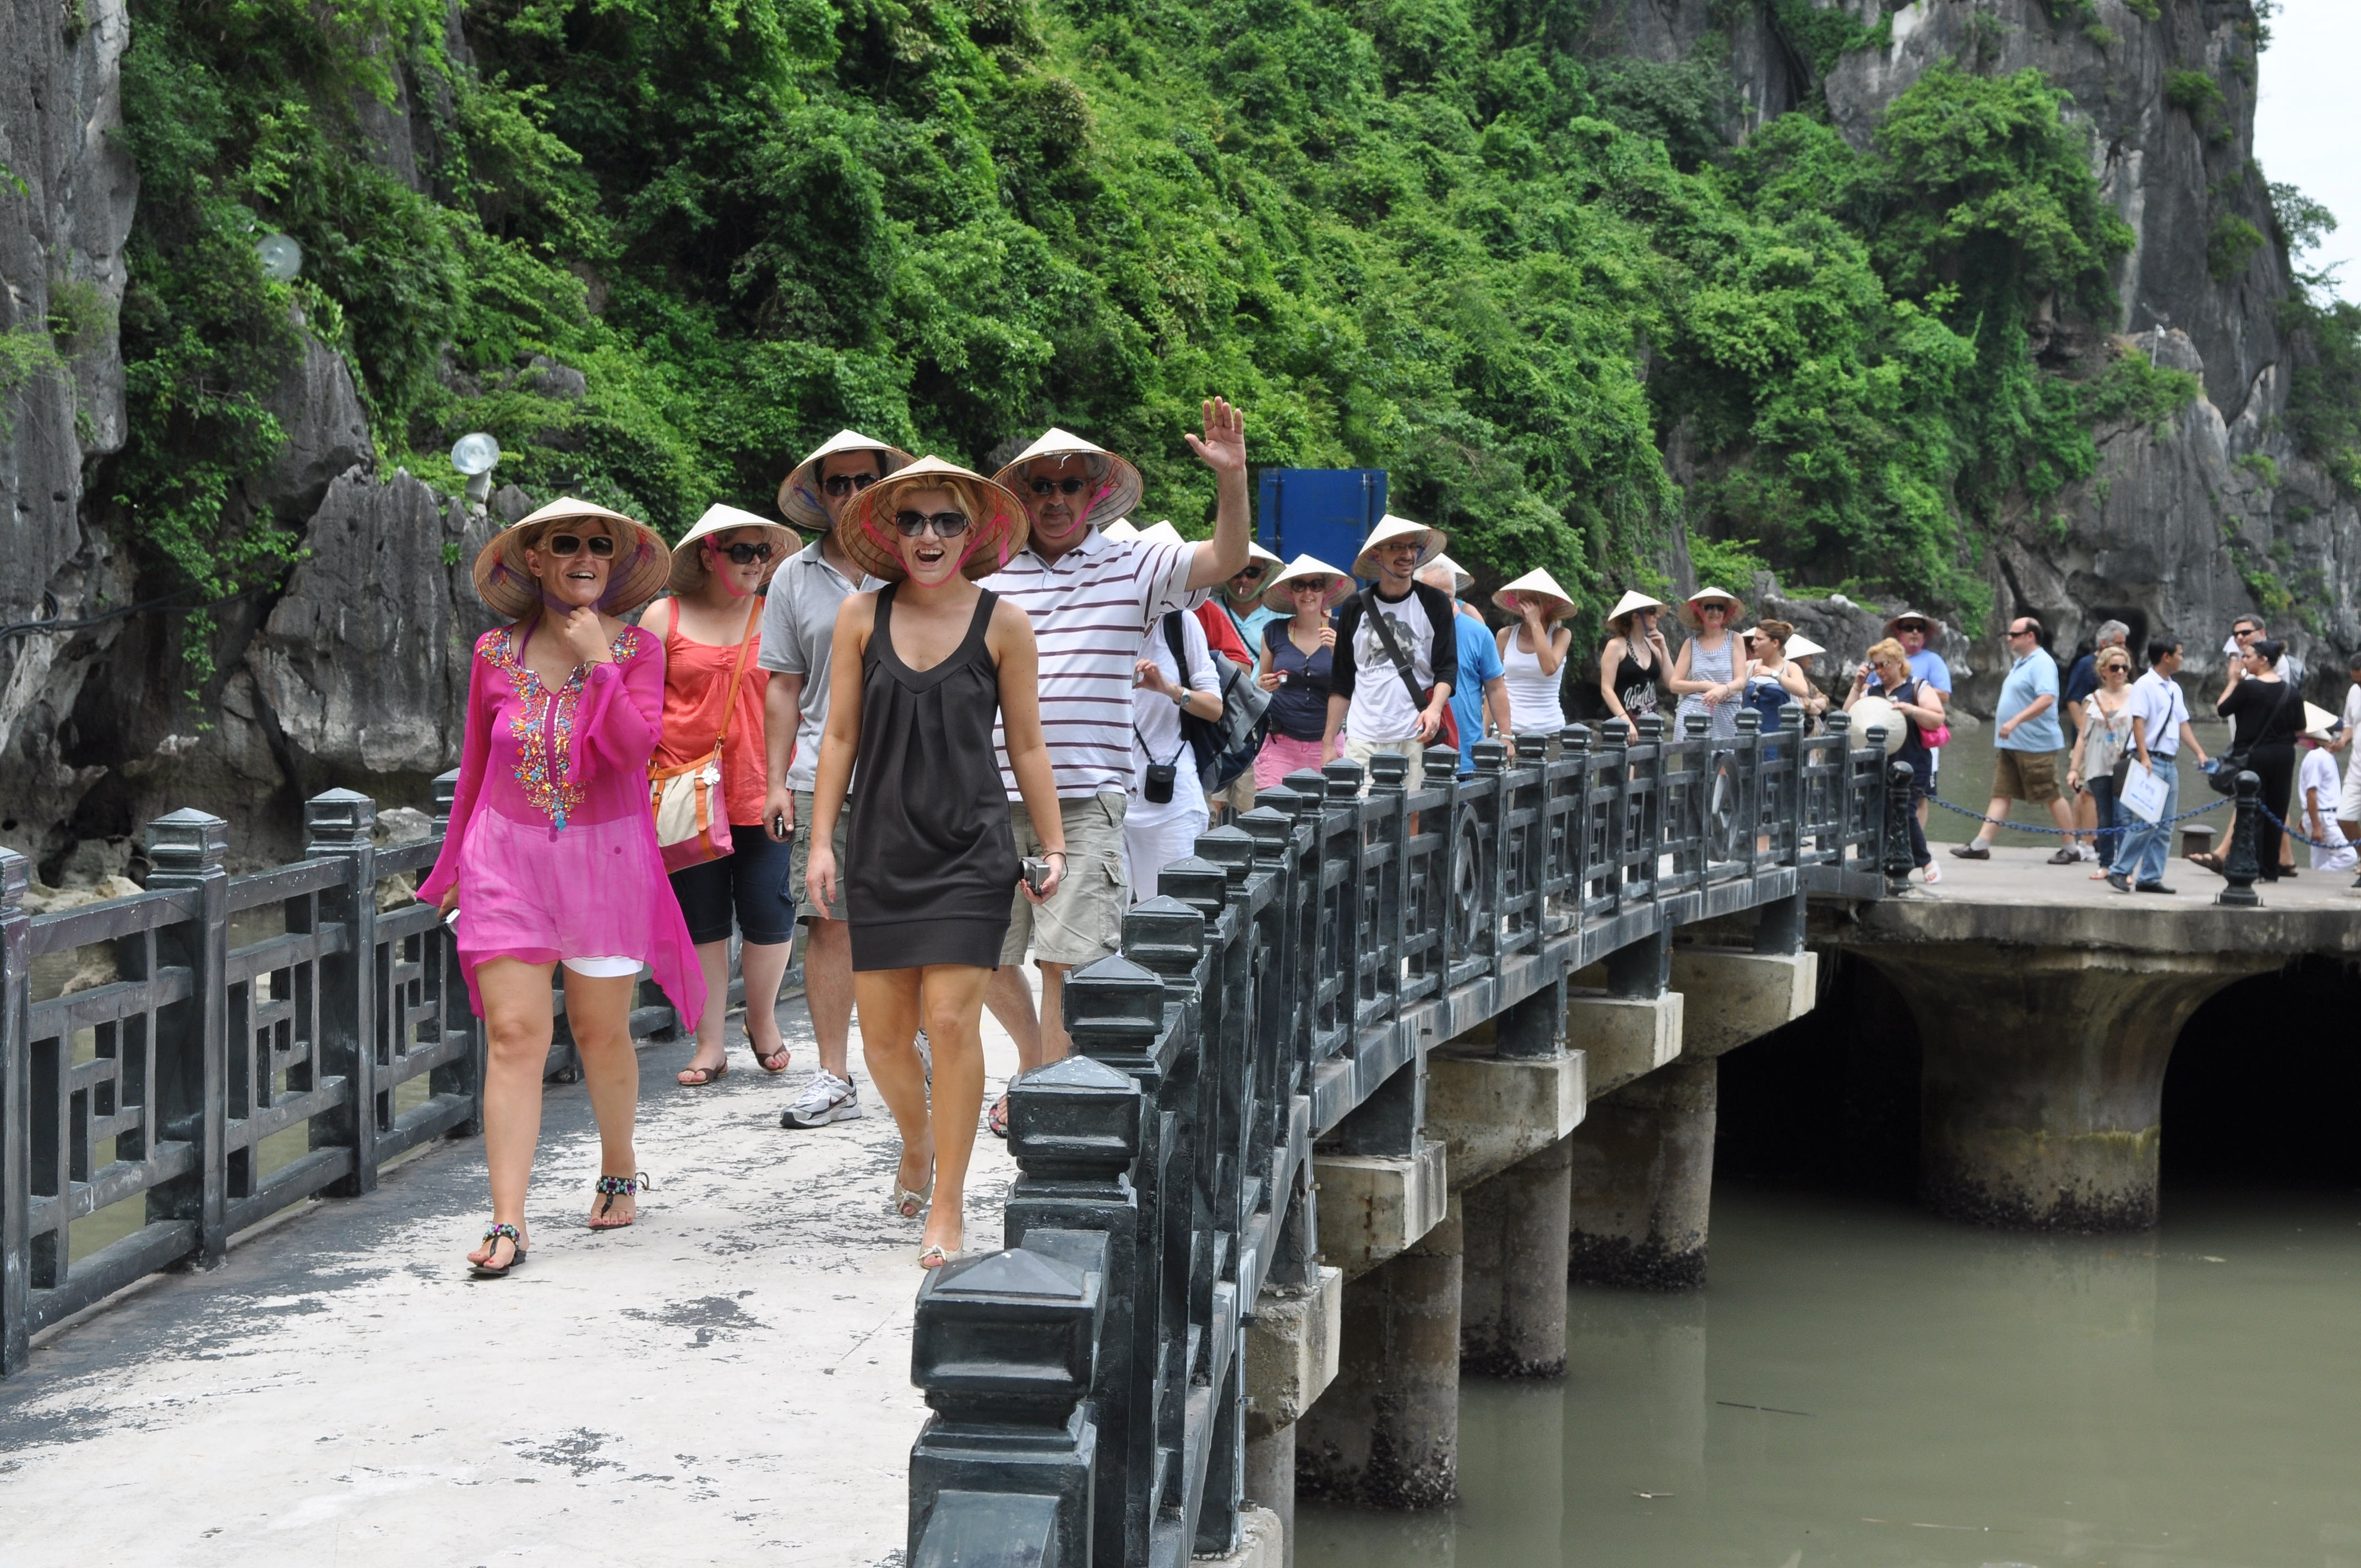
[{"x": 799, "y": 630}]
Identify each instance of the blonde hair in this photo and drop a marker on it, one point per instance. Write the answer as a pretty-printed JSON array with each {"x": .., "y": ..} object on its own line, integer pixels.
[
  {"x": 2111, "y": 657},
  {"x": 1886, "y": 651}
]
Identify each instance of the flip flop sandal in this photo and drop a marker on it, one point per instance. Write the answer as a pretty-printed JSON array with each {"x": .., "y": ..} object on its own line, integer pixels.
[
  {"x": 773, "y": 1064},
  {"x": 996, "y": 1121},
  {"x": 698, "y": 1077},
  {"x": 489, "y": 1270},
  {"x": 609, "y": 1188}
]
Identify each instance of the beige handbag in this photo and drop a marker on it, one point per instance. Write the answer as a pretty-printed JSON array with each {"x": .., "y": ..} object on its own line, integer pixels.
[{"x": 692, "y": 812}]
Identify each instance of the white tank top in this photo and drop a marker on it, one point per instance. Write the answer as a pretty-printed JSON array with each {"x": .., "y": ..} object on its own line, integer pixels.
[{"x": 1533, "y": 707}]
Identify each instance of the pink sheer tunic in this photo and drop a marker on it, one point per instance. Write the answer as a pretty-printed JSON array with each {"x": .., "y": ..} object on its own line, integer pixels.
[{"x": 552, "y": 844}]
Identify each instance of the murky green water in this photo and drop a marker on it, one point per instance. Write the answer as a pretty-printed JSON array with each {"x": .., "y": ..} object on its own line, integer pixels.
[
  {"x": 1967, "y": 775},
  {"x": 1931, "y": 1396}
]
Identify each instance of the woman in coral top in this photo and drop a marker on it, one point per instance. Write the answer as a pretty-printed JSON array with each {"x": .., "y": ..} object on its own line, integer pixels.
[
  {"x": 551, "y": 860},
  {"x": 710, "y": 627}
]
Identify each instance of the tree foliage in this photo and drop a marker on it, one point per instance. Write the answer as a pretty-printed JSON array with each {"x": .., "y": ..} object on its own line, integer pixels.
[{"x": 1421, "y": 235}]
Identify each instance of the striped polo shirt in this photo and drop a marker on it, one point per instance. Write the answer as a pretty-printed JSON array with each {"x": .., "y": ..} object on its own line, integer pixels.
[{"x": 1089, "y": 608}]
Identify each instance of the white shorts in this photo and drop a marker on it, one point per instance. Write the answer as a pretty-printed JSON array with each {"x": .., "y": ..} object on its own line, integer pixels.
[
  {"x": 603, "y": 967},
  {"x": 2349, "y": 804}
]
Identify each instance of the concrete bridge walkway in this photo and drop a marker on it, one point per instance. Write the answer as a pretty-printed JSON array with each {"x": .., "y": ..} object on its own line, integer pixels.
[{"x": 727, "y": 1381}]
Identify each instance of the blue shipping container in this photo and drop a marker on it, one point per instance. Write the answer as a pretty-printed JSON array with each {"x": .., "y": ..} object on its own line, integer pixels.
[{"x": 1323, "y": 513}]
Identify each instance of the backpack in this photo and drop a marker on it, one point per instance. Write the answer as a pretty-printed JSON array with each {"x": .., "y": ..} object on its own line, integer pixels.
[{"x": 1223, "y": 746}]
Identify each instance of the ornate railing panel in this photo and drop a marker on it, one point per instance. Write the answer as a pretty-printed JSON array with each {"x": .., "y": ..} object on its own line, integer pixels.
[
  {"x": 1087, "y": 1381},
  {"x": 216, "y": 1082}
]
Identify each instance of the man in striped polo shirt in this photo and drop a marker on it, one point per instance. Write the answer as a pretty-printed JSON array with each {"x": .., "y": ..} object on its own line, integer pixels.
[{"x": 1092, "y": 600}]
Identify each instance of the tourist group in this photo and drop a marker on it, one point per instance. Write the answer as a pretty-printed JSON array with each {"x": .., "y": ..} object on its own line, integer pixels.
[
  {"x": 969, "y": 721},
  {"x": 2121, "y": 743}
]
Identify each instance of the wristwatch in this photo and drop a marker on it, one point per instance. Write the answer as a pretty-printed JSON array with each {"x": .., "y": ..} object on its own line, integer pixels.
[{"x": 1180, "y": 696}]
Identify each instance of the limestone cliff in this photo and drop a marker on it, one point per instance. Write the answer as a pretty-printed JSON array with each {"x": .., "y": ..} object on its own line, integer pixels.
[{"x": 2183, "y": 528}]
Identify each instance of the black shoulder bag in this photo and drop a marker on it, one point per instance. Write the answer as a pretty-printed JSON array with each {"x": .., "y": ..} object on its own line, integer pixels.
[{"x": 1449, "y": 734}]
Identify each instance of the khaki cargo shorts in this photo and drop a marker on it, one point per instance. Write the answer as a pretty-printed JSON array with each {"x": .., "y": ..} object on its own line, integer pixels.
[
  {"x": 802, "y": 863},
  {"x": 1414, "y": 749},
  {"x": 1082, "y": 922},
  {"x": 2030, "y": 776}
]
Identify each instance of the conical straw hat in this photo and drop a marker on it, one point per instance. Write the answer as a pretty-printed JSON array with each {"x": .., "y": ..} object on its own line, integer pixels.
[
  {"x": 1462, "y": 579},
  {"x": 1802, "y": 647},
  {"x": 635, "y": 576},
  {"x": 799, "y": 496},
  {"x": 1540, "y": 585},
  {"x": 1270, "y": 563},
  {"x": 1689, "y": 612},
  {"x": 997, "y": 529},
  {"x": 1633, "y": 600},
  {"x": 1116, "y": 486},
  {"x": 688, "y": 567},
  {"x": 1390, "y": 528},
  {"x": 1160, "y": 533},
  {"x": 1120, "y": 531},
  {"x": 1277, "y": 598}
]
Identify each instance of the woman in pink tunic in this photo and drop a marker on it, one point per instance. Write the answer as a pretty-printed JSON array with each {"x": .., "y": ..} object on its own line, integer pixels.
[{"x": 551, "y": 860}]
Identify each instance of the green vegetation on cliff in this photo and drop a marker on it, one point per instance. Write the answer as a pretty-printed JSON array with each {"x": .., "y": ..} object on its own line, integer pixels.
[{"x": 1414, "y": 233}]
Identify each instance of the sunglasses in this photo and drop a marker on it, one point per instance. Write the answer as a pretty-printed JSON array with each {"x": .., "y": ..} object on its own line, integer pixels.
[
  {"x": 945, "y": 524},
  {"x": 843, "y": 485},
  {"x": 1069, "y": 486},
  {"x": 743, "y": 555},
  {"x": 2021, "y": 631},
  {"x": 602, "y": 545},
  {"x": 1249, "y": 573}
]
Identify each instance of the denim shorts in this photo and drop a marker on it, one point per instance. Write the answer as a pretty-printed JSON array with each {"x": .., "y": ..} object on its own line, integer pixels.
[{"x": 754, "y": 878}]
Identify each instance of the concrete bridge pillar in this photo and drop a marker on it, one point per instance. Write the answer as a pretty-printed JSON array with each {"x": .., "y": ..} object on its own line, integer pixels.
[
  {"x": 1385, "y": 1434},
  {"x": 1641, "y": 1188},
  {"x": 2042, "y": 1077},
  {"x": 1512, "y": 1314}
]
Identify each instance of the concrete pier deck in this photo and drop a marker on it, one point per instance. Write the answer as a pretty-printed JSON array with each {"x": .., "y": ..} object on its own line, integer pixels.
[{"x": 727, "y": 1381}]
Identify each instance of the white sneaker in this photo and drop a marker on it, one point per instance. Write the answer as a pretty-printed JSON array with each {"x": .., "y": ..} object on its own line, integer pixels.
[{"x": 825, "y": 1098}]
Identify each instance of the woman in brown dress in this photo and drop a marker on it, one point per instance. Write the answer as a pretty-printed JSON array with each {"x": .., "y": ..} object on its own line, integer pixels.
[{"x": 919, "y": 671}]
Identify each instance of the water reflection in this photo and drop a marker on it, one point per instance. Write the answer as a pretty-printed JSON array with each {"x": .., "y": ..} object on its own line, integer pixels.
[{"x": 1866, "y": 1386}]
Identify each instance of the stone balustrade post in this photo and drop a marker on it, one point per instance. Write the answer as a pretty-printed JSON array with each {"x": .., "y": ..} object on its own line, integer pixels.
[
  {"x": 1003, "y": 1344},
  {"x": 338, "y": 825},
  {"x": 1074, "y": 1127},
  {"x": 185, "y": 850},
  {"x": 15, "y": 1114}
]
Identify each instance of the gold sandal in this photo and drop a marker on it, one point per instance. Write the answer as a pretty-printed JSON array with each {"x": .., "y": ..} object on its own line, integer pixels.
[
  {"x": 907, "y": 1202},
  {"x": 942, "y": 1257}
]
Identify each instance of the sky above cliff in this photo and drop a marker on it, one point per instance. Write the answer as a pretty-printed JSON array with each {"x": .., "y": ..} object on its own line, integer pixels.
[{"x": 2308, "y": 126}]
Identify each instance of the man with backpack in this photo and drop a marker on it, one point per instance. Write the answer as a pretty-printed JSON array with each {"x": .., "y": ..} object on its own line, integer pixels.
[
  {"x": 1397, "y": 653},
  {"x": 1177, "y": 674}
]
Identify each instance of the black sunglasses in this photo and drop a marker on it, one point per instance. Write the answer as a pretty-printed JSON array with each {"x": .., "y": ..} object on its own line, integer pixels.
[
  {"x": 842, "y": 485},
  {"x": 2023, "y": 631},
  {"x": 945, "y": 524},
  {"x": 1249, "y": 571},
  {"x": 563, "y": 544},
  {"x": 1068, "y": 486},
  {"x": 743, "y": 555}
]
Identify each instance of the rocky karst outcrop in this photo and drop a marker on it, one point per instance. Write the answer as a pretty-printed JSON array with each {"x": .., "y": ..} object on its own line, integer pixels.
[{"x": 2216, "y": 514}]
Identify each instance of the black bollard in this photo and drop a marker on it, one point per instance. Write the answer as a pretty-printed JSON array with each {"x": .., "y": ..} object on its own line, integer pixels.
[
  {"x": 2240, "y": 868},
  {"x": 1898, "y": 778}
]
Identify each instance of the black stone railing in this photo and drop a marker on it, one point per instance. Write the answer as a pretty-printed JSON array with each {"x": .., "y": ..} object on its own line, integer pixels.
[
  {"x": 1087, "y": 1381},
  {"x": 265, "y": 1038}
]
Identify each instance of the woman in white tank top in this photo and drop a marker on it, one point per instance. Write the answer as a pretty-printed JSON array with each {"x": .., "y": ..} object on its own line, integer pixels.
[{"x": 1532, "y": 652}]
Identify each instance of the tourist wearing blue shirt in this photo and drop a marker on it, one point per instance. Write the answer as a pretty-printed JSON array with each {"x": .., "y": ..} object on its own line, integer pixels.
[
  {"x": 2025, "y": 742},
  {"x": 1483, "y": 684}
]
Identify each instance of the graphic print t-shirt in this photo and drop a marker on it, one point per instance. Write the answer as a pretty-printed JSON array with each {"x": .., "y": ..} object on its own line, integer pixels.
[{"x": 1381, "y": 708}]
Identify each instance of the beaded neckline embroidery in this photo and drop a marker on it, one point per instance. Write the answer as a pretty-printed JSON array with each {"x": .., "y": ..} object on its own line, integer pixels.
[{"x": 542, "y": 770}]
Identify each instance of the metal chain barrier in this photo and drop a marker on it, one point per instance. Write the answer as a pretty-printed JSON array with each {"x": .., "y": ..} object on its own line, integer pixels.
[
  {"x": 2300, "y": 839},
  {"x": 2082, "y": 832}
]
